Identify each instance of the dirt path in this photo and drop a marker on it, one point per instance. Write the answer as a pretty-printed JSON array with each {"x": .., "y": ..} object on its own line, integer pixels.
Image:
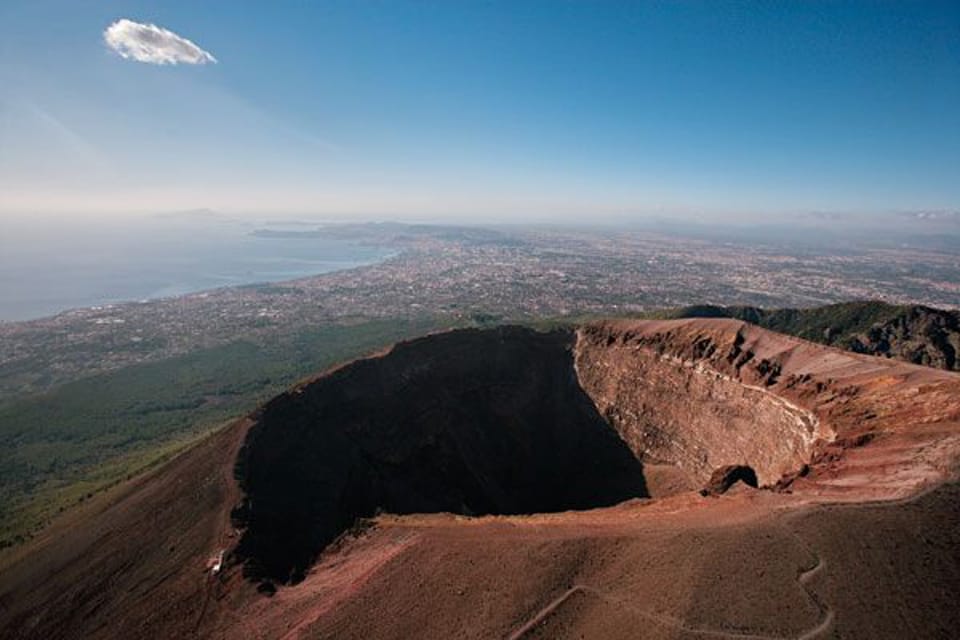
[
  {"x": 544, "y": 613},
  {"x": 804, "y": 577}
]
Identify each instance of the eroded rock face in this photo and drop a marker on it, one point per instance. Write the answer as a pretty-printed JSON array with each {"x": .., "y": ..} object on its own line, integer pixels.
[
  {"x": 698, "y": 403},
  {"x": 470, "y": 422}
]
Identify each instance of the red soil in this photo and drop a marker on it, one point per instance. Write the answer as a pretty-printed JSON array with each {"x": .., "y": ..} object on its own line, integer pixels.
[{"x": 859, "y": 538}]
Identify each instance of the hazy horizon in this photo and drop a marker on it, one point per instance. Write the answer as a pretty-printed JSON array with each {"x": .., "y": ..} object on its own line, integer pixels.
[{"x": 79, "y": 263}]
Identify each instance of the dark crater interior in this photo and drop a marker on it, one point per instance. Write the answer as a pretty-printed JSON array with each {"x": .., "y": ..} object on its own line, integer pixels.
[{"x": 469, "y": 422}]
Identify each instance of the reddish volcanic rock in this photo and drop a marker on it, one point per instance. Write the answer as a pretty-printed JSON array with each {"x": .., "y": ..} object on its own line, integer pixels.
[
  {"x": 858, "y": 535},
  {"x": 703, "y": 393},
  {"x": 725, "y": 477}
]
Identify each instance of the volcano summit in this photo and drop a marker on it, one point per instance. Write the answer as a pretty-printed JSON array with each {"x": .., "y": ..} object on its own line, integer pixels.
[{"x": 663, "y": 479}]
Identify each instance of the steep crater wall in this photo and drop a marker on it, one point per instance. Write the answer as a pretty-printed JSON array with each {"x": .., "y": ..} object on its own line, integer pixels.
[
  {"x": 697, "y": 402},
  {"x": 470, "y": 422}
]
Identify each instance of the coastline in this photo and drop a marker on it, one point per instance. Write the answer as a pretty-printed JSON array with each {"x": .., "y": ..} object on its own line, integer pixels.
[{"x": 177, "y": 290}]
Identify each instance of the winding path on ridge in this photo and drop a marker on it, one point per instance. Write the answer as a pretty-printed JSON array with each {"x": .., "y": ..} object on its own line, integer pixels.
[{"x": 804, "y": 576}]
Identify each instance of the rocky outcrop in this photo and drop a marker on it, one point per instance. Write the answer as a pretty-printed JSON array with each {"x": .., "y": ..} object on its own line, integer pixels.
[
  {"x": 921, "y": 335},
  {"x": 725, "y": 477},
  {"x": 915, "y": 334}
]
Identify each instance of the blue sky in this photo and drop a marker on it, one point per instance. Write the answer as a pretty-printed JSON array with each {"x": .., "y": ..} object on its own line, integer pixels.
[{"x": 485, "y": 111}]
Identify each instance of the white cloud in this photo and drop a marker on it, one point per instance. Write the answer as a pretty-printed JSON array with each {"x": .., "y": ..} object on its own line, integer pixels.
[{"x": 152, "y": 44}]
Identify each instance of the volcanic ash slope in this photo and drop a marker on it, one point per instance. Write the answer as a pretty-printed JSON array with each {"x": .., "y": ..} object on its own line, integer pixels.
[{"x": 509, "y": 483}]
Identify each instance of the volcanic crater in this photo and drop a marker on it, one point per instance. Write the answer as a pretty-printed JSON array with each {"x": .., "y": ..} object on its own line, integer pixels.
[
  {"x": 508, "y": 421},
  {"x": 583, "y": 451}
]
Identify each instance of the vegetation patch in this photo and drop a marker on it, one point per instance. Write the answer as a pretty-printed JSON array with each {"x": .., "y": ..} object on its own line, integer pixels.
[{"x": 81, "y": 437}]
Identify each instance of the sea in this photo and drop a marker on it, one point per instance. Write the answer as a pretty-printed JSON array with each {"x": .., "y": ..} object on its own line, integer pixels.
[{"x": 52, "y": 265}]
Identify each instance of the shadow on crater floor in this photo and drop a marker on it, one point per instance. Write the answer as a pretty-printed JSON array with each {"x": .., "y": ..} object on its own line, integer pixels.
[{"x": 469, "y": 422}]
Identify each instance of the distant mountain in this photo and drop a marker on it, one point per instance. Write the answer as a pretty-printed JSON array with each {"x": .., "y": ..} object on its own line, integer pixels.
[{"x": 914, "y": 333}]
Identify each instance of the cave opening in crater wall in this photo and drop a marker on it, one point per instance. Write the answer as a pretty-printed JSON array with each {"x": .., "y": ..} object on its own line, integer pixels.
[{"x": 499, "y": 421}]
